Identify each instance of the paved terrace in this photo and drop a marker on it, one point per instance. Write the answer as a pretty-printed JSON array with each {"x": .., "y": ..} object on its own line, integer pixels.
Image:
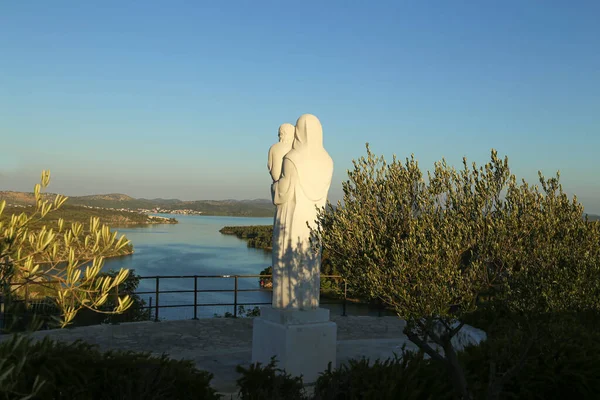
[{"x": 219, "y": 344}]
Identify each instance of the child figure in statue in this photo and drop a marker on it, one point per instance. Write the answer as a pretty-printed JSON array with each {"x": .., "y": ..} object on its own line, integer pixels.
[{"x": 280, "y": 149}]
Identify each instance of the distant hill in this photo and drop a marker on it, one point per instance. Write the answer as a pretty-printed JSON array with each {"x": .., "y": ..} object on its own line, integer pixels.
[
  {"x": 164, "y": 201},
  {"x": 246, "y": 208},
  {"x": 593, "y": 217},
  {"x": 21, "y": 198},
  {"x": 74, "y": 213},
  {"x": 250, "y": 208},
  {"x": 107, "y": 197}
]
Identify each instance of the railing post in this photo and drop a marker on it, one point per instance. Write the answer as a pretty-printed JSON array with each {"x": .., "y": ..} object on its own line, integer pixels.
[
  {"x": 195, "y": 297},
  {"x": 150, "y": 308},
  {"x": 114, "y": 318},
  {"x": 345, "y": 298},
  {"x": 2, "y": 310},
  {"x": 156, "y": 294},
  {"x": 235, "y": 294},
  {"x": 26, "y": 297}
]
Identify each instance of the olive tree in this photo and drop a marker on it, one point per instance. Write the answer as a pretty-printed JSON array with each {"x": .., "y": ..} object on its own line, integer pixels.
[
  {"x": 63, "y": 262},
  {"x": 435, "y": 246}
]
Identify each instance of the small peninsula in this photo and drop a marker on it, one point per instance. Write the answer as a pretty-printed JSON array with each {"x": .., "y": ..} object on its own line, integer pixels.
[{"x": 256, "y": 236}]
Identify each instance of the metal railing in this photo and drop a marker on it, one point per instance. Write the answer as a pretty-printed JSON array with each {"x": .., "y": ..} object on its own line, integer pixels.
[{"x": 154, "y": 304}]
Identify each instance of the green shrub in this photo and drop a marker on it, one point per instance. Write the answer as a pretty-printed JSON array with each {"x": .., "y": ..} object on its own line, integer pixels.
[
  {"x": 32, "y": 316},
  {"x": 44, "y": 313},
  {"x": 269, "y": 383},
  {"x": 12, "y": 372},
  {"x": 264, "y": 281},
  {"x": 242, "y": 312},
  {"x": 137, "y": 312},
  {"x": 563, "y": 360},
  {"x": 56, "y": 370},
  {"x": 407, "y": 377},
  {"x": 433, "y": 245},
  {"x": 257, "y": 236}
]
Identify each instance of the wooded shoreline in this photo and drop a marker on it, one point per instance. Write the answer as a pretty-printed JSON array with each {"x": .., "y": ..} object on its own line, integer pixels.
[{"x": 256, "y": 236}]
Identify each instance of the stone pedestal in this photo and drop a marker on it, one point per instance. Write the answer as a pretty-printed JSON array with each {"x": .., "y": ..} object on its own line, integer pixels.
[{"x": 304, "y": 342}]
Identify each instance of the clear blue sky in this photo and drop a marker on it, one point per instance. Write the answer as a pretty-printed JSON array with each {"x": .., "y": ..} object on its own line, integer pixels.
[{"x": 183, "y": 99}]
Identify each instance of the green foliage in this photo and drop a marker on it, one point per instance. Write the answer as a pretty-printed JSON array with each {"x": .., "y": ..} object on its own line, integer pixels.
[
  {"x": 438, "y": 248},
  {"x": 249, "y": 313},
  {"x": 330, "y": 287},
  {"x": 266, "y": 281},
  {"x": 44, "y": 313},
  {"x": 19, "y": 316},
  {"x": 261, "y": 236},
  {"x": 55, "y": 370},
  {"x": 407, "y": 377},
  {"x": 242, "y": 312},
  {"x": 268, "y": 382},
  {"x": 562, "y": 362},
  {"x": 243, "y": 208},
  {"x": 64, "y": 261},
  {"x": 138, "y": 310},
  {"x": 431, "y": 248},
  {"x": 12, "y": 372},
  {"x": 256, "y": 236},
  {"x": 330, "y": 284}
]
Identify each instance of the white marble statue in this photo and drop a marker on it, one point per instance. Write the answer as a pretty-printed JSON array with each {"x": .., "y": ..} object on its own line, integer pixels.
[
  {"x": 305, "y": 178},
  {"x": 280, "y": 149}
]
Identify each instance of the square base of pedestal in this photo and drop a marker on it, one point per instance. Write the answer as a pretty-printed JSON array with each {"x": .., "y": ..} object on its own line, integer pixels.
[{"x": 303, "y": 342}]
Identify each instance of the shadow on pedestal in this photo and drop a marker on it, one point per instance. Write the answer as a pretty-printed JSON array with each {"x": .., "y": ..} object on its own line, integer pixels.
[{"x": 303, "y": 341}]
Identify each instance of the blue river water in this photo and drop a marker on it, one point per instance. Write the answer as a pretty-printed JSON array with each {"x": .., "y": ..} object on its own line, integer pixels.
[{"x": 194, "y": 246}]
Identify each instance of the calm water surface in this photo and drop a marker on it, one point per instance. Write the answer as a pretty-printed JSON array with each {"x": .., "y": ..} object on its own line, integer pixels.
[{"x": 194, "y": 246}]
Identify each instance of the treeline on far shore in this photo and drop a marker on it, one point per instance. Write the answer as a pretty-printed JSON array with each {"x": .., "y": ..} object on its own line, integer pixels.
[
  {"x": 261, "y": 237},
  {"x": 256, "y": 236}
]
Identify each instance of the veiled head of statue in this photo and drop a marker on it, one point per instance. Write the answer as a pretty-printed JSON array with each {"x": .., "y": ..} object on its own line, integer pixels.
[
  {"x": 309, "y": 133},
  {"x": 286, "y": 132}
]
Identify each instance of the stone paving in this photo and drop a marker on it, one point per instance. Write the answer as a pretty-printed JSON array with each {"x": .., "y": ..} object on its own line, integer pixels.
[
  {"x": 219, "y": 344},
  {"x": 208, "y": 335}
]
